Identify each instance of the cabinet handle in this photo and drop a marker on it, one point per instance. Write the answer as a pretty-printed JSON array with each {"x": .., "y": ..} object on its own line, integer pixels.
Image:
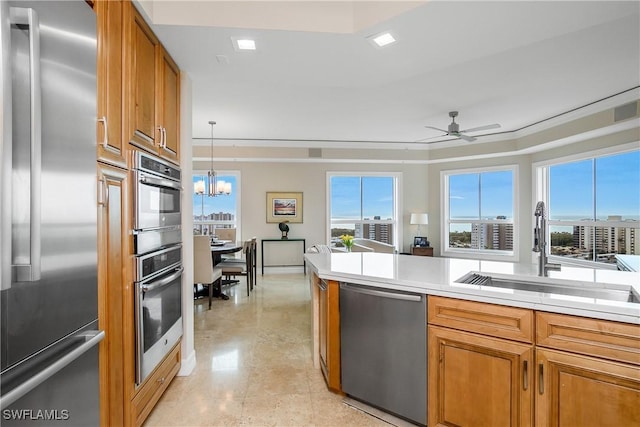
[
  {"x": 541, "y": 379},
  {"x": 105, "y": 138},
  {"x": 160, "y": 380},
  {"x": 103, "y": 192},
  {"x": 164, "y": 138},
  {"x": 159, "y": 128},
  {"x": 525, "y": 374}
]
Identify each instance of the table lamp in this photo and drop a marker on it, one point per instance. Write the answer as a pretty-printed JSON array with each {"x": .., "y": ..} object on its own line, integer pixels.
[{"x": 419, "y": 219}]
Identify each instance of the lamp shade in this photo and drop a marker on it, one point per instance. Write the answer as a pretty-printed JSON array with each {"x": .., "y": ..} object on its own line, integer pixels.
[{"x": 419, "y": 218}]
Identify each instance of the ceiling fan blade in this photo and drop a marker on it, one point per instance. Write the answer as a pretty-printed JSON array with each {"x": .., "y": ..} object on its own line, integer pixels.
[
  {"x": 441, "y": 130},
  {"x": 466, "y": 137},
  {"x": 485, "y": 127},
  {"x": 431, "y": 137}
]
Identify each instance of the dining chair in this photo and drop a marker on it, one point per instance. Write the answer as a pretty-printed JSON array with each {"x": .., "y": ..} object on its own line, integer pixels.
[
  {"x": 254, "y": 261},
  {"x": 227, "y": 234},
  {"x": 204, "y": 272},
  {"x": 244, "y": 267}
]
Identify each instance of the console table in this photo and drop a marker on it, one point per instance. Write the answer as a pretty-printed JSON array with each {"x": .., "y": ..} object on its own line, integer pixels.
[
  {"x": 422, "y": 250},
  {"x": 304, "y": 247}
]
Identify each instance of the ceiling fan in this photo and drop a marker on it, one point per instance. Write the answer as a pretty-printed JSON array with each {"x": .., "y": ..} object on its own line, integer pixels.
[{"x": 454, "y": 129}]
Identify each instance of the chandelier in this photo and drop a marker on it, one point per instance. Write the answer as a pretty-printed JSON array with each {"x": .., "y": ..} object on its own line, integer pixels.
[{"x": 213, "y": 187}]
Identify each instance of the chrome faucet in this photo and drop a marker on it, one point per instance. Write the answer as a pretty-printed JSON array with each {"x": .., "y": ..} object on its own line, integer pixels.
[{"x": 540, "y": 241}]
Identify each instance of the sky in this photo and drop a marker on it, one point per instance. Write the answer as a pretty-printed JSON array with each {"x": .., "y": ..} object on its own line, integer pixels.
[
  {"x": 617, "y": 188},
  {"x": 481, "y": 196},
  {"x": 376, "y": 193}
]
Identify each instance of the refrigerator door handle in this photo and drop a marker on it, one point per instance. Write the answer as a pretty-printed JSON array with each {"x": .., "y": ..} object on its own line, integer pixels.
[
  {"x": 6, "y": 150},
  {"x": 21, "y": 270},
  {"x": 91, "y": 339}
]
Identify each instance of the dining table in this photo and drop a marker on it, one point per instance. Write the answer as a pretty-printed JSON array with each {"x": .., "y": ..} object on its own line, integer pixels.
[{"x": 219, "y": 248}]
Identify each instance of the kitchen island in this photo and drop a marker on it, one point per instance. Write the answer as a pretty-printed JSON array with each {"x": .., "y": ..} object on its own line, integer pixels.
[{"x": 496, "y": 345}]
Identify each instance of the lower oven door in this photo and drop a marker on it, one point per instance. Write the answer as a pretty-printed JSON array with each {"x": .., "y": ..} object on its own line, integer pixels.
[{"x": 158, "y": 319}]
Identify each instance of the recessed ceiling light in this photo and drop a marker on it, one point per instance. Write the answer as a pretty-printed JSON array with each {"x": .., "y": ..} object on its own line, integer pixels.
[
  {"x": 243, "y": 43},
  {"x": 383, "y": 39}
]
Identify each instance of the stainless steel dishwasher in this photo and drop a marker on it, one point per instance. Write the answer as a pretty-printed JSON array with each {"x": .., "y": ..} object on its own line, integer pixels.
[{"x": 383, "y": 352}]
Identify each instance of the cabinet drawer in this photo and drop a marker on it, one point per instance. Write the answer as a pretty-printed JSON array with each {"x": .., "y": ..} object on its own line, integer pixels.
[
  {"x": 487, "y": 319},
  {"x": 600, "y": 338},
  {"x": 152, "y": 389}
]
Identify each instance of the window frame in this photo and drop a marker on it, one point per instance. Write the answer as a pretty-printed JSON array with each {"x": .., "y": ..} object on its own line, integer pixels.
[
  {"x": 542, "y": 191},
  {"x": 397, "y": 194},
  {"x": 484, "y": 254},
  {"x": 238, "y": 188}
]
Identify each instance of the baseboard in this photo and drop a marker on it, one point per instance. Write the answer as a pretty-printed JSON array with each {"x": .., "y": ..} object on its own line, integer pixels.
[
  {"x": 187, "y": 365},
  {"x": 283, "y": 270}
]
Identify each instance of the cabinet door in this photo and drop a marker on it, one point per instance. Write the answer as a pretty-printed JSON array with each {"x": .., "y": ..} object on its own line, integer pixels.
[
  {"x": 141, "y": 81},
  {"x": 476, "y": 380},
  {"x": 329, "y": 331},
  {"x": 323, "y": 324},
  {"x": 576, "y": 390},
  {"x": 113, "y": 274},
  {"x": 169, "y": 106},
  {"x": 111, "y": 145}
]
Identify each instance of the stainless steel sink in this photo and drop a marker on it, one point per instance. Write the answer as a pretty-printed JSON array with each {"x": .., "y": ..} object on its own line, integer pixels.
[{"x": 621, "y": 294}]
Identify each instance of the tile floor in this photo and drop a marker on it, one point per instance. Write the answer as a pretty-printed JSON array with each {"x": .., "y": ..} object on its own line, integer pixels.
[{"x": 254, "y": 365}]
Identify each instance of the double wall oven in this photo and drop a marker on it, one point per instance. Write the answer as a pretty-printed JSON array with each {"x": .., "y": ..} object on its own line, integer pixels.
[{"x": 158, "y": 257}]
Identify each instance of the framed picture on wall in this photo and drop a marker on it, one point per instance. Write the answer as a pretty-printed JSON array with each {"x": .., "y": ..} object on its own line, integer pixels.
[{"x": 284, "y": 206}]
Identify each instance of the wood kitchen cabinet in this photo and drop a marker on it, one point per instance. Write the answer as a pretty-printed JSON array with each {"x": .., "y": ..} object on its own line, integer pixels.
[
  {"x": 328, "y": 294},
  {"x": 588, "y": 371},
  {"x": 113, "y": 275},
  {"x": 497, "y": 365},
  {"x": 154, "y": 386},
  {"x": 112, "y": 148},
  {"x": 152, "y": 101},
  {"x": 476, "y": 379},
  {"x": 168, "y": 107}
]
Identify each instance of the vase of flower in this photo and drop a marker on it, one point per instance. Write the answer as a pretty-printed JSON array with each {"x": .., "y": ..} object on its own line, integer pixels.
[{"x": 347, "y": 241}]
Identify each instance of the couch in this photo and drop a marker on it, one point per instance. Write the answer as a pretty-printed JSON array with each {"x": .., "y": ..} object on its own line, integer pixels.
[{"x": 368, "y": 245}]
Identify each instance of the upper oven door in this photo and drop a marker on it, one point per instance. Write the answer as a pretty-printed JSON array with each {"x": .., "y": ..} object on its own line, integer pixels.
[{"x": 157, "y": 201}]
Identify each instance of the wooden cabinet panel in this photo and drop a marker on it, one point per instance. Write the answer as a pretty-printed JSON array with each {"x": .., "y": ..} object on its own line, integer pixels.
[
  {"x": 595, "y": 337},
  {"x": 476, "y": 380},
  {"x": 151, "y": 390},
  {"x": 142, "y": 78},
  {"x": 421, "y": 251},
  {"x": 329, "y": 325},
  {"x": 111, "y": 145},
  {"x": 489, "y": 319},
  {"x": 169, "y": 106},
  {"x": 153, "y": 91},
  {"x": 583, "y": 391},
  {"x": 113, "y": 274}
]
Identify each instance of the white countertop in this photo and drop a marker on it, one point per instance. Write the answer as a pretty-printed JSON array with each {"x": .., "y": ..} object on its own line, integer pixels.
[{"x": 438, "y": 276}]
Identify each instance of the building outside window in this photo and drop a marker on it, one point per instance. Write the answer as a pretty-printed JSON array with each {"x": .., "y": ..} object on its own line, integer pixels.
[
  {"x": 221, "y": 211},
  {"x": 479, "y": 210},
  {"x": 364, "y": 206},
  {"x": 593, "y": 207}
]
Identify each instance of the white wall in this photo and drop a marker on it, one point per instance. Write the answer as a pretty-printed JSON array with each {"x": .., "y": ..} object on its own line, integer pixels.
[{"x": 258, "y": 178}]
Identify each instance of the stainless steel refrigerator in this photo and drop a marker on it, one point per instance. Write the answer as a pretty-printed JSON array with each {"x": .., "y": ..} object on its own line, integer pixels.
[{"x": 49, "y": 310}]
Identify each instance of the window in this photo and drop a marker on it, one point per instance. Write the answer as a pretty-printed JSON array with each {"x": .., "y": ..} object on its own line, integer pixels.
[
  {"x": 364, "y": 206},
  {"x": 479, "y": 212},
  {"x": 593, "y": 207},
  {"x": 221, "y": 211}
]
